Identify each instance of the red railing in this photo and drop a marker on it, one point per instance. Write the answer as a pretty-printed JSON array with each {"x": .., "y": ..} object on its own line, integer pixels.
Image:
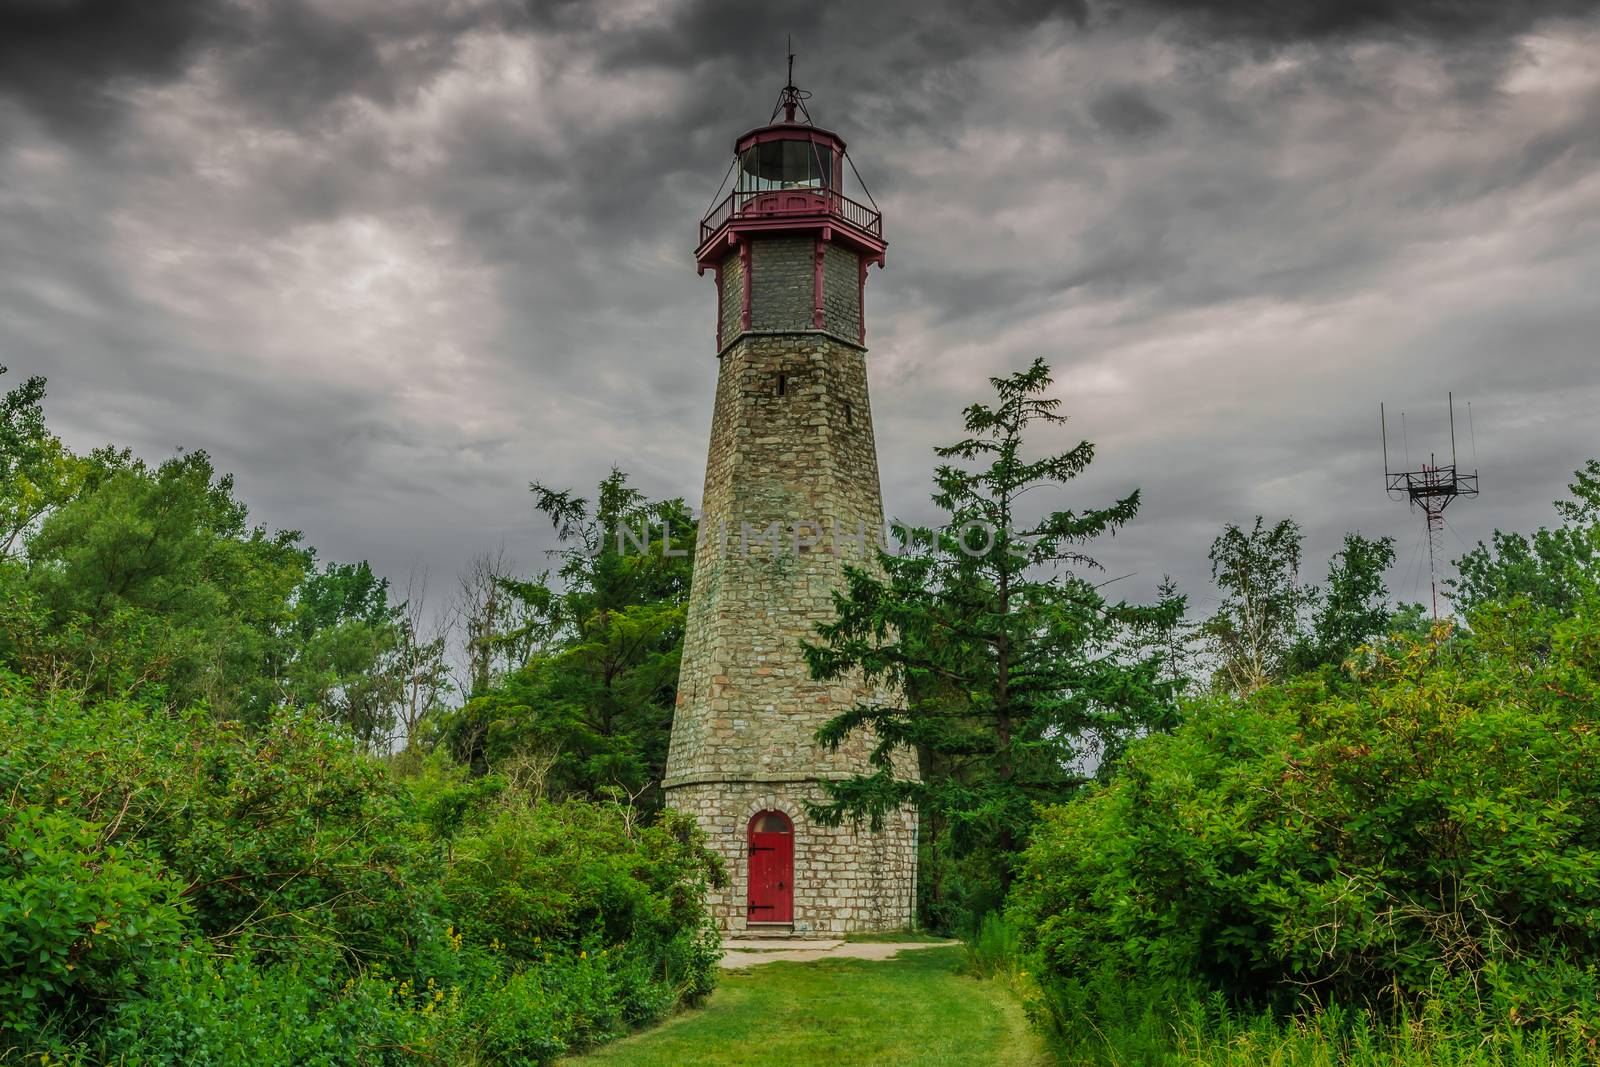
[{"x": 776, "y": 203}]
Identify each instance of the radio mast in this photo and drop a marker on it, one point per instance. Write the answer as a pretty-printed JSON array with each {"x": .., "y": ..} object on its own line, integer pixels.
[{"x": 1430, "y": 489}]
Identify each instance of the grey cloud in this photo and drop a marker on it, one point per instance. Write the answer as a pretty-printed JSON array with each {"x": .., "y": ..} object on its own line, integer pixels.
[
  {"x": 60, "y": 56},
  {"x": 1320, "y": 19},
  {"x": 1126, "y": 112},
  {"x": 391, "y": 261}
]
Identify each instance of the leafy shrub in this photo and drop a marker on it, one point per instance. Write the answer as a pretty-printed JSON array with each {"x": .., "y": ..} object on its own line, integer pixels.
[
  {"x": 576, "y": 875},
  {"x": 538, "y": 1014},
  {"x": 1426, "y": 831},
  {"x": 578, "y": 880},
  {"x": 177, "y": 890},
  {"x": 214, "y": 1011},
  {"x": 287, "y": 834},
  {"x": 81, "y": 922}
]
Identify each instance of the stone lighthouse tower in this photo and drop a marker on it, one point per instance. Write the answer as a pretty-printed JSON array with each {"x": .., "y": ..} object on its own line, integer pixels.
[{"x": 791, "y": 497}]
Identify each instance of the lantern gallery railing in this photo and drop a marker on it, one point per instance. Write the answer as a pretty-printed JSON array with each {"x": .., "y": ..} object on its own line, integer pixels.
[{"x": 776, "y": 203}]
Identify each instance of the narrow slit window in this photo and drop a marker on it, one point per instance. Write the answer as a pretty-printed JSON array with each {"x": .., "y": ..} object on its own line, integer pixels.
[
  {"x": 783, "y": 385},
  {"x": 849, "y": 414}
]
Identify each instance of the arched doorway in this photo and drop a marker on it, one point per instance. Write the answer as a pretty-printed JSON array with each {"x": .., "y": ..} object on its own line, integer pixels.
[{"x": 771, "y": 884}]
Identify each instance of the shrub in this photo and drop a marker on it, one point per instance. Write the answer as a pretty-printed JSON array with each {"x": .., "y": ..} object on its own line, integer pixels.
[
  {"x": 1428, "y": 830},
  {"x": 81, "y": 922},
  {"x": 176, "y": 890},
  {"x": 288, "y": 834},
  {"x": 208, "y": 1010},
  {"x": 576, "y": 877}
]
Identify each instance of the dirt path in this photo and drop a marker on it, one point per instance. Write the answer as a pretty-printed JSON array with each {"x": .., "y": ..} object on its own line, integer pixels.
[{"x": 736, "y": 955}]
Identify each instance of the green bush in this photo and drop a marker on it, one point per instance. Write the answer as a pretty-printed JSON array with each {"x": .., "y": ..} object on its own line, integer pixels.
[
  {"x": 290, "y": 834},
  {"x": 1426, "y": 831},
  {"x": 576, "y": 879},
  {"x": 209, "y": 1010},
  {"x": 177, "y": 890},
  {"x": 576, "y": 875},
  {"x": 81, "y": 922}
]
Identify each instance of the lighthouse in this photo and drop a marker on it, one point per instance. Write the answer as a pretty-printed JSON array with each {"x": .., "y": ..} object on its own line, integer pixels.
[{"x": 791, "y": 498}]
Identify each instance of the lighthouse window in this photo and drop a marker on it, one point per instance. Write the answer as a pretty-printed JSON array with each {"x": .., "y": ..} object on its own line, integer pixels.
[{"x": 785, "y": 165}]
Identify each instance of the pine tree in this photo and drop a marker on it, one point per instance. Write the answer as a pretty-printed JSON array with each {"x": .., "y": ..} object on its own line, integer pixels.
[{"x": 1017, "y": 674}]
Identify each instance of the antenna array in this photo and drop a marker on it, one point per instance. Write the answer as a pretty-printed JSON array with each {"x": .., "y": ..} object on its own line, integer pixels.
[{"x": 1431, "y": 490}]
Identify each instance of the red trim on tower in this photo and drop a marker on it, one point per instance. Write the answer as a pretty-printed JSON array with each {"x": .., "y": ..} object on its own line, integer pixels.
[
  {"x": 744, "y": 261},
  {"x": 816, "y": 286}
]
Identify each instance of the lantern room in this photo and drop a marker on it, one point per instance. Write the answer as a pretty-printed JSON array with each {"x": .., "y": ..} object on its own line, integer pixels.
[
  {"x": 789, "y": 157},
  {"x": 790, "y": 176}
]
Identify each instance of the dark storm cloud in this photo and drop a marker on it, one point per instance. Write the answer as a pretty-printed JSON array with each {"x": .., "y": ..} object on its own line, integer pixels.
[
  {"x": 1127, "y": 113},
  {"x": 391, "y": 260},
  {"x": 1288, "y": 20},
  {"x": 58, "y": 57}
]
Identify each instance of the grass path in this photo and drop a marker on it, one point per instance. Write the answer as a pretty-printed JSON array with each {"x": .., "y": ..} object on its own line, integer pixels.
[{"x": 914, "y": 1009}]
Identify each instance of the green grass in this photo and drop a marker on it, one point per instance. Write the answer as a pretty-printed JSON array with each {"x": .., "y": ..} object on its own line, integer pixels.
[
  {"x": 915, "y": 1009},
  {"x": 1125, "y": 1025}
]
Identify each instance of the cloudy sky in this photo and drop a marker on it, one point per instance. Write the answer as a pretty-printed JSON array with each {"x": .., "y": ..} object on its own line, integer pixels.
[{"x": 388, "y": 260}]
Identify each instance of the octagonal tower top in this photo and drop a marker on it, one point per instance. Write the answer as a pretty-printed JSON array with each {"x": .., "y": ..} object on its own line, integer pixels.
[{"x": 790, "y": 177}]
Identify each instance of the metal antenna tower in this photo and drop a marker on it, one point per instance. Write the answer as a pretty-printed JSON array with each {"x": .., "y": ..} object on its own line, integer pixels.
[{"x": 1431, "y": 489}]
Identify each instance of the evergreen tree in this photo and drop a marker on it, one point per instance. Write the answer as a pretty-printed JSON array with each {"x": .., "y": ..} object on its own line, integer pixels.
[{"x": 1016, "y": 672}]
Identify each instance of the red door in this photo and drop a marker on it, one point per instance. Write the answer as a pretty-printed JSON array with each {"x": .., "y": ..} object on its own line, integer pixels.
[{"x": 771, "y": 894}]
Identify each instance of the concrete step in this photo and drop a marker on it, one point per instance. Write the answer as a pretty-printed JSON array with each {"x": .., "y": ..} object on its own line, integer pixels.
[{"x": 768, "y": 943}]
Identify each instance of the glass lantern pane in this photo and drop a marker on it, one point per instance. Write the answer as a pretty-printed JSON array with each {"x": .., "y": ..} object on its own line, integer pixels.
[{"x": 796, "y": 163}]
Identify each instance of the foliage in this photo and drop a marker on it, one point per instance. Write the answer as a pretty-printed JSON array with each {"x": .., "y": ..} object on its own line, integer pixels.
[
  {"x": 149, "y": 582},
  {"x": 596, "y": 695},
  {"x": 1103, "y": 1019},
  {"x": 1013, "y": 665},
  {"x": 1424, "y": 832},
  {"x": 81, "y": 920},
  {"x": 342, "y": 627},
  {"x": 1352, "y": 607},
  {"x": 1269, "y": 625},
  {"x": 579, "y": 877},
  {"x": 182, "y": 890},
  {"x": 1255, "y": 629},
  {"x": 1554, "y": 569},
  {"x": 37, "y": 473},
  {"x": 290, "y": 836}
]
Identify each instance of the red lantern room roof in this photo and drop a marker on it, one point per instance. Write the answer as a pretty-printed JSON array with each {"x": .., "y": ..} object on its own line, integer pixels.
[{"x": 789, "y": 176}]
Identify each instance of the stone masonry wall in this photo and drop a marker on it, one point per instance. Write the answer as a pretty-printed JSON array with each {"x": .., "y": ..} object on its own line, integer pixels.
[
  {"x": 731, "y": 297},
  {"x": 791, "y": 495},
  {"x": 846, "y": 878},
  {"x": 806, "y": 462},
  {"x": 782, "y": 283},
  {"x": 841, "y": 292}
]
